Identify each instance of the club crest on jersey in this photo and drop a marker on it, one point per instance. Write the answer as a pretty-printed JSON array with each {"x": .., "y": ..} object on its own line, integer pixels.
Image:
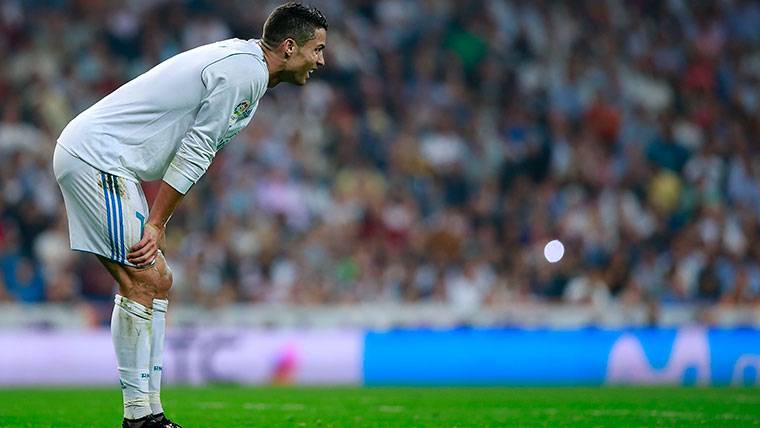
[{"x": 242, "y": 111}]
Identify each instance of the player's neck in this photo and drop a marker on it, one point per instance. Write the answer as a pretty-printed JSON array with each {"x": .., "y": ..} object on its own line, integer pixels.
[{"x": 275, "y": 64}]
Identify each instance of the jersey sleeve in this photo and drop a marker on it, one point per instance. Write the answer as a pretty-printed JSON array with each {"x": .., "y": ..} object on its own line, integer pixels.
[{"x": 228, "y": 82}]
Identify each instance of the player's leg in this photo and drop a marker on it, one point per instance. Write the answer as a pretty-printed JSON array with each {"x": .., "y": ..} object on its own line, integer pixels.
[
  {"x": 142, "y": 285},
  {"x": 139, "y": 287},
  {"x": 130, "y": 332},
  {"x": 105, "y": 215},
  {"x": 150, "y": 287}
]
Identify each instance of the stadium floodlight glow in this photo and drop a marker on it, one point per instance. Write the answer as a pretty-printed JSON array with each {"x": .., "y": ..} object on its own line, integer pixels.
[{"x": 553, "y": 251}]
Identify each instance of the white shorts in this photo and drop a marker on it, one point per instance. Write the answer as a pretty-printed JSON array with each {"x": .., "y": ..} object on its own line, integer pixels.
[{"x": 106, "y": 213}]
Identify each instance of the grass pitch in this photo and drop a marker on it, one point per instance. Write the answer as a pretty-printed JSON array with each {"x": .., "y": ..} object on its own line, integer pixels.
[{"x": 394, "y": 407}]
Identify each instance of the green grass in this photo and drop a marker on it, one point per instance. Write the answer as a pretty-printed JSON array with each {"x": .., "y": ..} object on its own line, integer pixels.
[{"x": 394, "y": 407}]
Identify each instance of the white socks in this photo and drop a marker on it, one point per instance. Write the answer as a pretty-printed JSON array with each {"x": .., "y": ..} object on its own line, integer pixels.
[
  {"x": 156, "y": 353},
  {"x": 138, "y": 339},
  {"x": 130, "y": 331}
]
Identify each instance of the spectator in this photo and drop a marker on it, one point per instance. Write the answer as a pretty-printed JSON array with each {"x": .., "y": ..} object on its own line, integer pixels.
[{"x": 442, "y": 148}]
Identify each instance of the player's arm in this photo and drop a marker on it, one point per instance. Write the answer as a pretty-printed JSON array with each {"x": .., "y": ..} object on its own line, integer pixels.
[
  {"x": 228, "y": 82},
  {"x": 145, "y": 251},
  {"x": 226, "y": 85}
]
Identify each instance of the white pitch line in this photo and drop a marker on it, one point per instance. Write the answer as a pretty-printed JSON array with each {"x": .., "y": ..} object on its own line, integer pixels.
[
  {"x": 292, "y": 406},
  {"x": 734, "y": 416},
  {"x": 671, "y": 414},
  {"x": 256, "y": 406},
  {"x": 212, "y": 405},
  {"x": 267, "y": 406}
]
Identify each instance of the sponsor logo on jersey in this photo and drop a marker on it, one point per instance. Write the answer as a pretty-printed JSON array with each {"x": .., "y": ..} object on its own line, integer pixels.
[{"x": 242, "y": 111}]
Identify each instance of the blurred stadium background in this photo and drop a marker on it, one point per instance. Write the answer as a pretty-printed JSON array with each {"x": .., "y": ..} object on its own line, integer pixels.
[{"x": 385, "y": 224}]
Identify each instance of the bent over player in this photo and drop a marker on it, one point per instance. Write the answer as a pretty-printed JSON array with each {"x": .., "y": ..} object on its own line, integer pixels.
[{"x": 167, "y": 123}]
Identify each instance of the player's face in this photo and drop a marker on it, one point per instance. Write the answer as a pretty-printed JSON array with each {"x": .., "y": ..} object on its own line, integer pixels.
[{"x": 307, "y": 58}]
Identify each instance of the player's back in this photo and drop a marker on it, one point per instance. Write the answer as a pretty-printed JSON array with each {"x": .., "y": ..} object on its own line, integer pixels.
[{"x": 135, "y": 131}]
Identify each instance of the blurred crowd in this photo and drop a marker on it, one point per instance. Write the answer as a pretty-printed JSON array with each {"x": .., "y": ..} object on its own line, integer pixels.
[{"x": 443, "y": 145}]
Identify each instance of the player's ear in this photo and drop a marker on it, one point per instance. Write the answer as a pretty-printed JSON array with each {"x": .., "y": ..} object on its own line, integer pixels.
[{"x": 288, "y": 47}]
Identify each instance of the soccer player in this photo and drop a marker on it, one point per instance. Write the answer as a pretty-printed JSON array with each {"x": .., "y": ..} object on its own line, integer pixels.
[{"x": 167, "y": 123}]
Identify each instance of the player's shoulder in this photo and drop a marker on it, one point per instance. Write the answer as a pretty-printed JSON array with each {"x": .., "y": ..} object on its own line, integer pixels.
[{"x": 235, "y": 58}]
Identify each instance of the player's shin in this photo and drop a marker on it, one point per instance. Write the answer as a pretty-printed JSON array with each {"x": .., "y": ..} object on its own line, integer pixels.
[
  {"x": 156, "y": 353},
  {"x": 130, "y": 331}
]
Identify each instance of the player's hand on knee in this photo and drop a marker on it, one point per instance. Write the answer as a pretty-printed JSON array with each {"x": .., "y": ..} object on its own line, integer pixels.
[{"x": 144, "y": 252}]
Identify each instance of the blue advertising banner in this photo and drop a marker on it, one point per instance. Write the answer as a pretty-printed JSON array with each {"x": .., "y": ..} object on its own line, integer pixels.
[
  {"x": 593, "y": 356},
  {"x": 685, "y": 356}
]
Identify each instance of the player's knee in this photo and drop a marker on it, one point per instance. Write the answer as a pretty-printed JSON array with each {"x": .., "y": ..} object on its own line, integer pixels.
[
  {"x": 164, "y": 278},
  {"x": 156, "y": 280}
]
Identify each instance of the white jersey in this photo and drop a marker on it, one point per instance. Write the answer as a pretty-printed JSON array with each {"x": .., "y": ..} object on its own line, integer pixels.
[{"x": 170, "y": 121}]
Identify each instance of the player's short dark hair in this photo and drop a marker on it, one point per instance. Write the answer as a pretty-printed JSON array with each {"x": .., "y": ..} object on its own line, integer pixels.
[{"x": 292, "y": 20}]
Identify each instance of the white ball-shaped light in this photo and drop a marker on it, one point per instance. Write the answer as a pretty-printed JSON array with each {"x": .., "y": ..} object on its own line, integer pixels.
[{"x": 553, "y": 251}]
